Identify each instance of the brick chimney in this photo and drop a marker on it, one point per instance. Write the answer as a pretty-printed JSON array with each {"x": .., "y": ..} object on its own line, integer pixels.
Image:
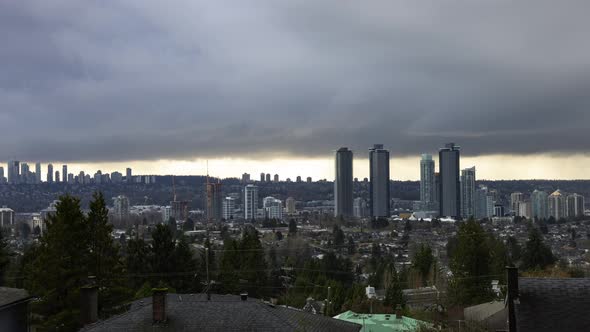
[
  {"x": 244, "y": 296},
  {"x": 512, "y": 296},
  {"x": 89, "y": 302},
  {"x": 159, "y": 304}
]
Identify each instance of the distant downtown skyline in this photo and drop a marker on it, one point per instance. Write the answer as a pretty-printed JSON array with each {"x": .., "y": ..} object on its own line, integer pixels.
[{"x": 496, "y": 167}]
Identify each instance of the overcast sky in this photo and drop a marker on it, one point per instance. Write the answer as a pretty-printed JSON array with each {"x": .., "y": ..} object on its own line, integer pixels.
[{"x": 106, "y": 82}]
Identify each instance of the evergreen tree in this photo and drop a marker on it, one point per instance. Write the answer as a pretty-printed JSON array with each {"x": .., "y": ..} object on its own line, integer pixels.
[
  {"x": 422, "y": 262},
  {"x": 351, "y": 246},
  {"x": 292, "y": 227},
  {"x": 230, "y": 265},
  {"x": 536, "y": 254},
  {"x": 470, "y": 265},
  {"x": 60, "y": 267},
  {"x": 394, "y": 295},
  {"x": 188, "y": 225},
  {"x": 186, "y": 265},
  {"x": 279, "y": 236},
  {"x": 4, "y": 257},
  {"x": 408, "y": 226},
  {"x": 162, "y": 252},
  {"x": 499, "y": 258},
  {"x": 138, "y": 261},
  {"x": 253, "y": 264},
  {"x": 338, "y": 236},
  {"x": 172, "y": 226},
  {"x": 24, "y": 230},
  {"x": 514, "y": 250},
  {"x": 104, "y": 258}
]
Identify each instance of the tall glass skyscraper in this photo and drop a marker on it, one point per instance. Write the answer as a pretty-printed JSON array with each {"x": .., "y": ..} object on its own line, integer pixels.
[
  {"x": 557, "y": 205},
  {"x": 14, "y": 172},
  {"x": 38, "y": 172},
  {"x": 50, "y": 173},
  {"x": 250, "y": 202},
  {"x": 379, "y": 176},
  {"x": 64, "y": 174},
  {"x": 484, "y": 203},
  {"x": 468, "y": 192},
  {"x": 427, "y": 182},
  {"x": 539, "y": 202},
  {"x": 575, "y": 205},
  {"x": 343, "y": 183},
  {"x": 450, "y": 187}
]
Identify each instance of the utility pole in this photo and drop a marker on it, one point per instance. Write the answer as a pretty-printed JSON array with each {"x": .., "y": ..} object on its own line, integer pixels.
[
  {"x": 207, "y": 264},
  {"x": 328, "y": 304},
  {"x": 207, "y": 269}
]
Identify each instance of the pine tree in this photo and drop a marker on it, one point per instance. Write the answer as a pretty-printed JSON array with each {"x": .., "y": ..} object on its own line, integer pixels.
[
  {"x": 422, "y": 262},
  {"x": 105, "y": 262},
  {"x": 4, "y": 257},
  {"x": 230, "y": 265},
  {"x": 338, "y": 236},
  {"x": 60, "y": 267},
  {"x": 253, "y": 263},
  {"x": 470, "y": 265},
  {"x": 514, "y": 250},
  {"x": 138, "y": 262},
  {"x": 186, "y": 264},
  {"x": 394, "y": 295},
  {"x": 292, "y": 228},
  {"x": 536, "y": 254},
  {"x": 162, "y": 252}
]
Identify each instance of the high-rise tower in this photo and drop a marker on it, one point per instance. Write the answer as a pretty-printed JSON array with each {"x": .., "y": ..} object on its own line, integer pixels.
[
  {"x": 468, "y": 192},
  {"x": 50, "y": 173},
  {"x": 450, "y": 188},
  {"x": 250, "y": 202},
  {"x": 343, "y": 183},
  {"x": 427, "y": 182},
  {"x": 379, "y": 186}
]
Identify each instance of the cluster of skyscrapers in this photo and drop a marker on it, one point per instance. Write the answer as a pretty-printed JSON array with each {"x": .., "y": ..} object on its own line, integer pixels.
[
  {"x": 266, "y": 177},
  {"x": 541, "y": 205},
  {"x": 20, "y": 173},
  {"x": 379, "y": 189},
  {"x": 451, "y": 192},
  {"x": 226, "y": 208}
]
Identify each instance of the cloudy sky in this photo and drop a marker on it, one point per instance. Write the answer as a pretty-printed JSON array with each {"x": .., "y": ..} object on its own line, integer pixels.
[{"x": 277, "y": 85}]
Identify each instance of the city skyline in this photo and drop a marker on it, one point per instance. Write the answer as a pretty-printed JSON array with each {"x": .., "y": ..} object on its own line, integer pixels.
[{"x": 406, "y": 169}]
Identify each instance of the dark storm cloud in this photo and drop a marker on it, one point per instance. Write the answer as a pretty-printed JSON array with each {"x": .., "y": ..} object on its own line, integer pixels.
[{"x": 126, "y": 80}]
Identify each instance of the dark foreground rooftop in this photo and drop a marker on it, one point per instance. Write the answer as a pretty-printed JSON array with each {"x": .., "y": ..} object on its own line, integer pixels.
[
  {"x": 10, "y": 296},
  {"x": 553, "y": 305},
  {"x": 222, "y": 313}
]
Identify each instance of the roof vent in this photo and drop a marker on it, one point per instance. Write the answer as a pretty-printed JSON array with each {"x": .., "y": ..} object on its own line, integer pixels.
[{"x": 244, "y": 296}]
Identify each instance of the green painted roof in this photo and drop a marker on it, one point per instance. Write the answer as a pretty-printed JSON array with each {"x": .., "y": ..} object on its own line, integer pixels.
[{"x": 381, "y": 322}]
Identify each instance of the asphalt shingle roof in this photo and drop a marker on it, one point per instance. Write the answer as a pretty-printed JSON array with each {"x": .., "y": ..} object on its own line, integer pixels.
[
  {"x": 11, "y": 295},
  {"x": 223, "y": 313},
  {"x": 553, "y": 305}
]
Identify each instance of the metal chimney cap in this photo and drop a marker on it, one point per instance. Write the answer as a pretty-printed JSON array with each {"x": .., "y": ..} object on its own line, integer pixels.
[{"x": 244, "y": 296}]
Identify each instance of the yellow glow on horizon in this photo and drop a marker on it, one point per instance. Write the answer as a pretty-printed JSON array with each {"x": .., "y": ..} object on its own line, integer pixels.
[{"x": 491, "y": 167}]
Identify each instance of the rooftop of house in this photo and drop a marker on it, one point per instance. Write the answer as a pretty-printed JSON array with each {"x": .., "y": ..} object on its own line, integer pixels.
[
  {"x": 553, "y": 304},
  {"x": 193, "y": 312},
  {"x": 10, "y": 296},
  {"x": 382, "y": 322}
]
